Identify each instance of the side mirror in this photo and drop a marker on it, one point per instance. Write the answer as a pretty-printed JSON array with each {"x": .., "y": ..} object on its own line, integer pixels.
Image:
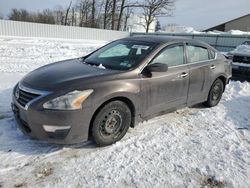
[{"x": 157, "y": 67}]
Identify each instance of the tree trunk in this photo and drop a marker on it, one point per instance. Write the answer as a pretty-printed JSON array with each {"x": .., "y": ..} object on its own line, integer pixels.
[
  {"x": 105, "y": 14},
  {"x": 125, "y": 23},
  {"x": 120, "y": 15},
  {"x": 93, "y": 14},
  {"x": 113, "y": 15},
  {"x": 67, "y": 13},
  {"x": 73, "y": 16}
]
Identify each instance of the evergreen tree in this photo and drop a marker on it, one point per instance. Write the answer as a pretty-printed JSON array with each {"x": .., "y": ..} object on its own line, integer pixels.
[{"x": 158, "y": 26}]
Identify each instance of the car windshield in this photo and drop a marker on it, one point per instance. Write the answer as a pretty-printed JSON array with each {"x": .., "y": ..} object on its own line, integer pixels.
[{"x": 121, "y": 55}]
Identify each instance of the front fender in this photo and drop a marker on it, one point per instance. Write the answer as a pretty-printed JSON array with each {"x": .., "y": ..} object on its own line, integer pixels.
[{"x": 129, "y": 89}]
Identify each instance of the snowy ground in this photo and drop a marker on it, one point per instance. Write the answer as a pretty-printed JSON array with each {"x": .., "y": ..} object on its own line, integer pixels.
[{"x": 193, "y": 147}]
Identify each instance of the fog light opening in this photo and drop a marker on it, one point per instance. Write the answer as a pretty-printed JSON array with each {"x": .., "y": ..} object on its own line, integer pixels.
[{"x": 54, "y": 128}]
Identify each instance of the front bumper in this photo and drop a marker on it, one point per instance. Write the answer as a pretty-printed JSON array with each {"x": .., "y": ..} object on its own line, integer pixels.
[
  {"x": 72, "y": 126},
  {"x": 241, "y": 70}
]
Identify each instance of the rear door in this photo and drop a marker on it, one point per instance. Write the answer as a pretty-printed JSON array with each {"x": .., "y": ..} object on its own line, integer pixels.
[
  {"x": 201, "y": 66},
  {"x": 162, "y": 91}
]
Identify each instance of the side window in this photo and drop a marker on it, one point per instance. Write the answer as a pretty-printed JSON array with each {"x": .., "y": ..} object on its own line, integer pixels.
[
  {"x": 197, "y": 53},
  {"x": 171, "y": 56},
  {"x": 115, "y": 51}
]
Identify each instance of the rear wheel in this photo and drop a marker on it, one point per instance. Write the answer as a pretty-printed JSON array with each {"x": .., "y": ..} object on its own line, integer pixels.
[
  {"x": 111, "y": 123},
  {"x": 215, "y": 93}
]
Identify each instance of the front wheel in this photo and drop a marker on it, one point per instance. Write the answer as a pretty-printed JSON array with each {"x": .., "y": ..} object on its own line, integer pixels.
[
  {"x": 215, "y": 93},
  {"x": 111, "y": 123}
]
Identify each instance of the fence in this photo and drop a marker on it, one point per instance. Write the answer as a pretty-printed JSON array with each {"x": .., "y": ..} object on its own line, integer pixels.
[
  {"x": 26, "y": 29},
  {"x": 222, "y": 42}
]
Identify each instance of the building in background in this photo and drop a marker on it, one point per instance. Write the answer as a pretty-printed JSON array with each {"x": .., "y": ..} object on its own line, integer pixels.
[
  {"x": 242, "y": 23},
  {"x": 136, "y": 23}
]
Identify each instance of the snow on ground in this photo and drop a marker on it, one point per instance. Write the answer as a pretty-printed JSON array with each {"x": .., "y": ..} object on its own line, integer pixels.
[
  {"x": 25, "y": 54},
  {"x": 192, "y": 147}
]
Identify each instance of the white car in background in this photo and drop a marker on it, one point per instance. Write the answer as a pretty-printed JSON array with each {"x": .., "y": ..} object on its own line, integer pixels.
[
  {"x": 241, "y": 53},
  {"x": 240, "y": 58}
]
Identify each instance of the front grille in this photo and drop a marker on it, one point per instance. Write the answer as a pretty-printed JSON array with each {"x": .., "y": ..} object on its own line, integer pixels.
[
  {"x": 24, "y": 97},
  {"x": 241, "y": 59}
]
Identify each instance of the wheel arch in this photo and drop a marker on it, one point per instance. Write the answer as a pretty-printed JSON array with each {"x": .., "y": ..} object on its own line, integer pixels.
[
  {"x": 224, "y": 80},
  {"x": 126, "y": 100}
]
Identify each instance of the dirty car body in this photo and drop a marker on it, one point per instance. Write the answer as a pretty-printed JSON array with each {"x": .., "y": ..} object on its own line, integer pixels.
[{"x": 152, "y": 75}]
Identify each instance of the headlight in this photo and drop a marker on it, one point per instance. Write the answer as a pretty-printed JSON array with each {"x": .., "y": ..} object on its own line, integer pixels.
[{"x": 70, "y": 101}]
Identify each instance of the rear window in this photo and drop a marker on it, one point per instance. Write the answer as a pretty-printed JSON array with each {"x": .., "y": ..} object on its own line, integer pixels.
[{"x": 197, "y": 53}]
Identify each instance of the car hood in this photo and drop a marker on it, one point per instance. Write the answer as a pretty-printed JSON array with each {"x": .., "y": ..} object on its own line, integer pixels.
[{"x": 63, "y": 74}]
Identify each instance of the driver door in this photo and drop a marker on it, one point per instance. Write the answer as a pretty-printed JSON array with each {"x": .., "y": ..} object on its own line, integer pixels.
[{"x": 163, "y": 91}]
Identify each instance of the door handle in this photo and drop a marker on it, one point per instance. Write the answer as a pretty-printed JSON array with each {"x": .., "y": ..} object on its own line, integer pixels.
[
  {"x": 184, "y": 74},
  {"x": 212, "y": 67}
]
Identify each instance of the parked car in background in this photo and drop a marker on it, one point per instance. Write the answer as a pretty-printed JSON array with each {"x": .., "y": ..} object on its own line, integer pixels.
[
  {"x": 240, "y": 58},
  {"x": 129, "y": 80}
]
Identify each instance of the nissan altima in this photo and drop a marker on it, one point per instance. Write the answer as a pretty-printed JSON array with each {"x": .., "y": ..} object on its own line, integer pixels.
[{"x": 101, "y": 95}]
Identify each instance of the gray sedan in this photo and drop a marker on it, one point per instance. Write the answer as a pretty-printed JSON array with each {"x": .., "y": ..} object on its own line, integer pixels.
[{"x": 101, "y": 95}]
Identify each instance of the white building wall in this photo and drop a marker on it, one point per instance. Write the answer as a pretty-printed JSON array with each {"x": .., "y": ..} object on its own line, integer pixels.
[{"x": 136, "y": 23}]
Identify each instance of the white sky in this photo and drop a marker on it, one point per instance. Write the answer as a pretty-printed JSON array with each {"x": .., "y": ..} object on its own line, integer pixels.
[{"x": 200, "y": 14}]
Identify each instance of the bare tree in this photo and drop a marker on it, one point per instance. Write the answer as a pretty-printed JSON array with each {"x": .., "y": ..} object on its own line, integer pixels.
[
  {"x": 93, "y": 13},
  {"x": 67, "y": 13},
  {"x": 46, "y": 16},
  {"x": 20, "y": 15},
  {"x": 107, "y": 13},
  {"x": 84, "y": 10},
  {"x": 128, "y": 12},
  {"x": 120, "y": 14},
  {"x": 99, "y": 13},
  {"x": 73, "y": 18},
  {"x": 154, "y": 8},
  {"x": 59, "y": 14},
  {"x": 130, "y": 5},
  {"x": 113, "y": 14}
]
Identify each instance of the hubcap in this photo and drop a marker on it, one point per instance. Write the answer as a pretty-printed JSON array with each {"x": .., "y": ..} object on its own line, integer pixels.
[
  {"x": 216, "y": 92},
  {"x": 111, "y": 123}
]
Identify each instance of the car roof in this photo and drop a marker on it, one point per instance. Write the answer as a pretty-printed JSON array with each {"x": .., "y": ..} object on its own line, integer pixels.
[{"x": 157, "y": 38}]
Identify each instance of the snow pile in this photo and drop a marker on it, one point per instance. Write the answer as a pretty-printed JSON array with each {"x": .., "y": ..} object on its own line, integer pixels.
[
  {"x": 184, "y": 29},
  {"x": 242, "y": 49},
  {"x": 192, "y": 147},
  {"x": 179, "y": 29},
  {"x": 231, "y": 32},
  {"x": 238, "y": 32},
  {"x": 191, "y": 30}
]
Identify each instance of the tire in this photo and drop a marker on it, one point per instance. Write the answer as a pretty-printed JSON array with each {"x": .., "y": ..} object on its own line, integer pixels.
[
  {"x": 215, "y": 93},
  {"x": 111, "y": 123}
]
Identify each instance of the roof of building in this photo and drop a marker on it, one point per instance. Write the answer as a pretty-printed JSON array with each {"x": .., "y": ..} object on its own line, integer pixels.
[{"x": 227, "y": 22}]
